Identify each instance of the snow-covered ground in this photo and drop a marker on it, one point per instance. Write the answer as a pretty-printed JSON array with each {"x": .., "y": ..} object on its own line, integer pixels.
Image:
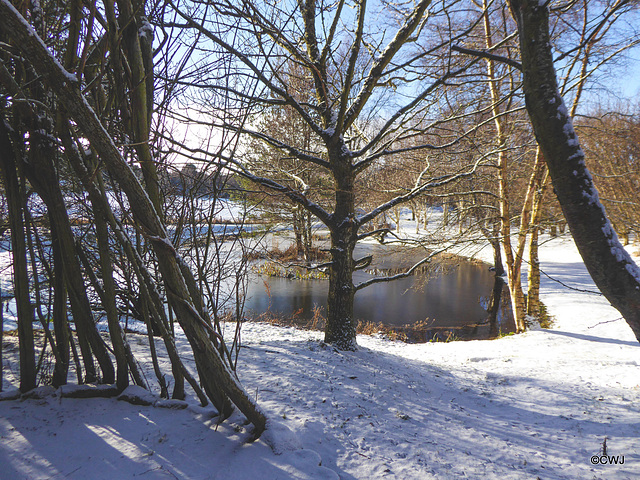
[{"x": 536, "y": 405}]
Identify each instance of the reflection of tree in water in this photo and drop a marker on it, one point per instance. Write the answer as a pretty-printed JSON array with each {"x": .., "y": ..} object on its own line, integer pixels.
[
  {"x": 454, "y": 297},
  {"x": 498, "y": 308},
  {"x": 494, "y": 306},
  {"x": 499, "y": 319},
  {"x": 404, "y": 258}
]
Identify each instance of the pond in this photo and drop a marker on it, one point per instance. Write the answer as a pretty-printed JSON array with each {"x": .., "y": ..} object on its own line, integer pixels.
[{"x": 449, "y": 299}]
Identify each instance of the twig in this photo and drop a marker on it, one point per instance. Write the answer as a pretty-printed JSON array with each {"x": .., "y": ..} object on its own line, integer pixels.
[
  {"x": 568, "y": 286},
  {"x": 606, "y": 321}
]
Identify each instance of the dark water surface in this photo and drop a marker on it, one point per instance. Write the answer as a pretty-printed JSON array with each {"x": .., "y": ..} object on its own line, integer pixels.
[{"x": 451, "y": 297}]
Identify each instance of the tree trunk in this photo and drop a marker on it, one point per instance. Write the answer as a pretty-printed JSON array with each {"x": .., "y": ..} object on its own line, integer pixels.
[
  {"x": 43, "y": 177},
  {"x": 139, "y": 80},
  {"x": 494, "y": 240},
  {"x": 514, "y": 261},
  {"x": 97, "y": 195},
  {"x": 297, "y": 213},
  {"x": 60, "y": 320},
  {"x": 513, "y": 258},
  {"x": 494, "y": 307},
  {"x": 610, "y": 266},
  {"x": 340, "y": 330},
  {"x": 109, "y": 300},
  {"x": 533, "y": 275},
  {"x": 307, "y": 238},
  {"x": 19, "y": 255}
]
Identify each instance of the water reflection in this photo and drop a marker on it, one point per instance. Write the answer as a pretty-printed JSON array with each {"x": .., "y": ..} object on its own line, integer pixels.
[{"x": 451, "y": 298}]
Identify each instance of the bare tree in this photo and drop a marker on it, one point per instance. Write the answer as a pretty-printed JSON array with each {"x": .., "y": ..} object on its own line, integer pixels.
[
  {"x": 610, "y": 140},
  {"x": 356, "y": 69},
  {"x": 586, "y": 34},
  {"x": 268, "y": 161},
  {"x": 218, "y": 381}
]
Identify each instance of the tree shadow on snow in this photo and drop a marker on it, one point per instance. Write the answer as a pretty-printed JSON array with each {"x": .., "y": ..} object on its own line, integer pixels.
[
  {"x": 592, "y": 338},
  {"x": 107, "y": 439},
  {"x": 411, "y": 419}
]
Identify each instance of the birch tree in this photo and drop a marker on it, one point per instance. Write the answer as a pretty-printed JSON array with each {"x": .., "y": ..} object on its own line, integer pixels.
[
  {"x": 610, "y": 266},
  {"x": 587, "y": 36}
]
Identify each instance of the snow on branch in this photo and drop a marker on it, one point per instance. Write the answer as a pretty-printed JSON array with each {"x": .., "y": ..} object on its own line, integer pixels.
[{"x": 377, "y": 69}]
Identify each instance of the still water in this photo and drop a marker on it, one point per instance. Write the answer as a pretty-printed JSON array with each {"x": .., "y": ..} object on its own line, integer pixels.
[{"x": 452, "y": 296}]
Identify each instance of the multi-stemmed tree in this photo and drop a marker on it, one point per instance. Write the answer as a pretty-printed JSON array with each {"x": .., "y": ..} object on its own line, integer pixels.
[{"x": 95, "y": 112}]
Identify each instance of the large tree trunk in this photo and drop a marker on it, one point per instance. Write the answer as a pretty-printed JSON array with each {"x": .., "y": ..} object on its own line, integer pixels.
[
  {"x": 340, "y": 329},
  {"x": 610, "y": 266}
]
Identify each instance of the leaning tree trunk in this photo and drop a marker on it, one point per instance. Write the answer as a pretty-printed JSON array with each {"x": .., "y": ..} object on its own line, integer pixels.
[
  {"x": 610, "y": 266},
  {"x": 97, "y": 195},
  {"x": 109, "y": 301},
  {"x": 43, "y": 177}
]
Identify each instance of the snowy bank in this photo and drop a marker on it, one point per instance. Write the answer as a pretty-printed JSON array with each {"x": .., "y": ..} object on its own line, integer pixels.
[{"x": 536, "y": 405}]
